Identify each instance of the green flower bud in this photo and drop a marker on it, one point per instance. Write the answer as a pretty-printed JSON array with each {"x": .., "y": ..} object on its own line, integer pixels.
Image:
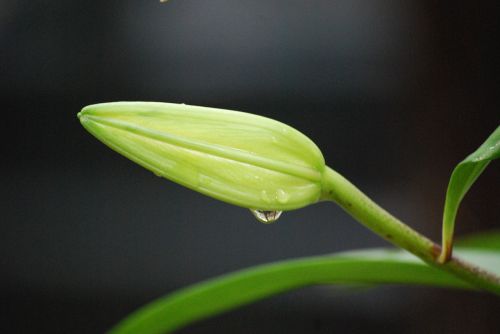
[{"x": 240, "y": 158}]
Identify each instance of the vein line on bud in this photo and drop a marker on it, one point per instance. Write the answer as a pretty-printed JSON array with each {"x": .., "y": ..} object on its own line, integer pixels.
[{"x": 212, "y": 149}]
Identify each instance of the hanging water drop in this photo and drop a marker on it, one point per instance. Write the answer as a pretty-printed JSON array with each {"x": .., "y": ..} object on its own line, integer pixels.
[{"x": 266, "y": 217}]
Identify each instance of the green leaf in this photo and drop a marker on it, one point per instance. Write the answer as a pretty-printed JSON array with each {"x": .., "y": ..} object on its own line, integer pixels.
[
  {"x": 227, "y": 292},
  {"x": 463, "y": 177},
  {"x": 481, "y": 240}
]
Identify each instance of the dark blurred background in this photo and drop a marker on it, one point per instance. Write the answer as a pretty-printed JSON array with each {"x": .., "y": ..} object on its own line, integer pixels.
[{"x": 394, "y": 93}]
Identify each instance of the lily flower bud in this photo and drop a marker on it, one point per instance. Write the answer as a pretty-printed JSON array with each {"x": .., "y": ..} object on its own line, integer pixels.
[{"x": 236, "y": 157}]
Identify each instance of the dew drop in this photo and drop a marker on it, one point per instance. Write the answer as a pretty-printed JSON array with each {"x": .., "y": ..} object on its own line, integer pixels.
[
  {"x": 282, "y": 196},
  {"x": 266, "y": 217},
  {"x": 265, "y": 196},
  {"x": 204, "y": 181}
]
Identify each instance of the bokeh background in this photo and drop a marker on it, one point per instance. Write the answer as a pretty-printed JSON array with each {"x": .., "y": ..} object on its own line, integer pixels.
[{"x": 395, "y": 93}]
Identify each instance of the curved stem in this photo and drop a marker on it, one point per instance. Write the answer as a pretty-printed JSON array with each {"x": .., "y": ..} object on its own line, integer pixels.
[{"x": 338, "y": 189}]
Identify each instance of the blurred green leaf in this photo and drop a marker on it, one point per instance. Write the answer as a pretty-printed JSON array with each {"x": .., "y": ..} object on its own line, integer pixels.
[
  {"x": 227, "y": 292},
  {"x": 482, "y": 240},
  {"x": 463, "y": 177}
]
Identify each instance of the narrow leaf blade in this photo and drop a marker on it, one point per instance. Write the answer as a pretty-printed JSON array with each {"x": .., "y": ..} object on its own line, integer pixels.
[
  {"x": 227, "y": 292},
  {"x": 463, "y": 177}
]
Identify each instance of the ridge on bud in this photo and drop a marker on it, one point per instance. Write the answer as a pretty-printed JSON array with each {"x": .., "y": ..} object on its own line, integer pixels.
[{"x": 240, "y": 158}]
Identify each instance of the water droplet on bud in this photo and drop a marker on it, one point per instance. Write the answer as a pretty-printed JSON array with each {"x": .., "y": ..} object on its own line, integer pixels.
[
  {"x": 266, "y": 217},
  {"x": 282, "y": 196}
]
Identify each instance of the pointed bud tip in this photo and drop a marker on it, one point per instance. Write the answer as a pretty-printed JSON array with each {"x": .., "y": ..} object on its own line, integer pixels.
[
  {"x": 82, "y": 115},
  {"x": 85, "y": 110}
]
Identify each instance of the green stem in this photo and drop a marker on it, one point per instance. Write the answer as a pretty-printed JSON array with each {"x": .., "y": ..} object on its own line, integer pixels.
[{"x": 338, "y": 189}]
